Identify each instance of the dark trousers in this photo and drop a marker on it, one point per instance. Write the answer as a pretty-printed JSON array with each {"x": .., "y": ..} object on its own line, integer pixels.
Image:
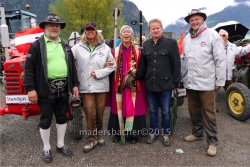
[
  {"x": 201, "y": 106},
  {"x": 56, "y": 103},
  {"x": 94, "y": 105}
]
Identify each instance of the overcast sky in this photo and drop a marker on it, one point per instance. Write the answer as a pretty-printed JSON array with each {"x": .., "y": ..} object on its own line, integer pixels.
[{"x": 170, "y": 10}]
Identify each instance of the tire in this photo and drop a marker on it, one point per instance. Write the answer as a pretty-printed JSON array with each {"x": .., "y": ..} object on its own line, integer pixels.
[
  {"x": 238, "y": 101},
  {"x": 77, "y": 122}
]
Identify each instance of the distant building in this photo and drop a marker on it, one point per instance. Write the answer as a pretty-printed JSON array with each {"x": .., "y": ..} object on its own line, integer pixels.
[{"x": 169, "y": 34}]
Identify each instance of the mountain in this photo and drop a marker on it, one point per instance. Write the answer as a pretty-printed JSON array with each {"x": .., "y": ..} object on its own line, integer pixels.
[
  {"x": 239, "y": 13},
  {"x": 41, "y": 9}
]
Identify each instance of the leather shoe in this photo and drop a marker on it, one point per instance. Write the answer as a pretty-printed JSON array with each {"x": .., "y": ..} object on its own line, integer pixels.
[
  {"x": 47, "y": 156},
  {"x": 64, "y": 150},
  {"x": 116, "y": 139},
  {"x": 134, "y": 140},
  {"x": 191, "y": 138}
]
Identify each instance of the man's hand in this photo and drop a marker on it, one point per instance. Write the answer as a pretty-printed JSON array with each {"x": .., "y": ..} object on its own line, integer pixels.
[
  {"x": 109, "y": 63},
  {"x": 176, "y": 90},
  {"x": 75, "y": 91},
  {"x": 93, "y": 74},
  {"x": 217, "y": 88},
  {"x": 32, "y": 96},
  {"x": 133, "y": 72}
]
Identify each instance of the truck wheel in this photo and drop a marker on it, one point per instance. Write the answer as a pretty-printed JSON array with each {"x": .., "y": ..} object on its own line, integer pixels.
[
  {"x": 238, "y": 101},
  {"x": 77, "y": 122}
]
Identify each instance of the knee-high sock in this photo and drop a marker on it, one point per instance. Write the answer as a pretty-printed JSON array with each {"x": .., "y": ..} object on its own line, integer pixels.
[
  {"x": 61, "y": 129},
  {"x": 45, "y": 135}
]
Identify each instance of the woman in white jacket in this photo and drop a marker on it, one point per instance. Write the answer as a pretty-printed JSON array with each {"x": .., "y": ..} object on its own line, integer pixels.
[{"x": 91, "y": 55}]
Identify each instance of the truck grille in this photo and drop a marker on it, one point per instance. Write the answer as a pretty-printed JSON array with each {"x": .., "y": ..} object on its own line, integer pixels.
[{"x": 12, "y": 82}]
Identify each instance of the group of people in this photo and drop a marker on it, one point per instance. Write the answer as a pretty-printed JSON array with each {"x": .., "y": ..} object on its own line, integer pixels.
[{"x": 101, "y": 75}]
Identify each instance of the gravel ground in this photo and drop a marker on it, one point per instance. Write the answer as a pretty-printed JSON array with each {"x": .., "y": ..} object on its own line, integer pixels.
[{"x": 21, "y": 144}]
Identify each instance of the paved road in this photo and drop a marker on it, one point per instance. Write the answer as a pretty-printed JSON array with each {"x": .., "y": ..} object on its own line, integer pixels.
[{"x": 21, "y": 145}]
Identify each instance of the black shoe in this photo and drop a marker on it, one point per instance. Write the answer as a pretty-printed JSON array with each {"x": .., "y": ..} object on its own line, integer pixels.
[
  {"x": 116, "y": 139},
  {"x": 47, "y": 156},
  {"x": 134, "y": 140},
  {"x": 64, "y": 150}
]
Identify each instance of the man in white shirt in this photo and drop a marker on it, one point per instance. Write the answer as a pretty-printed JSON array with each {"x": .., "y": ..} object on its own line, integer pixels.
[
  {"x": 203, "y": 73},
  {"x": 231, "y": 52}
]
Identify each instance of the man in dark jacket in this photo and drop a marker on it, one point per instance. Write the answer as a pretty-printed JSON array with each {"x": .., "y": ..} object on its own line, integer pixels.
[
  {"x": 50, "y": 74},
  {"x": 161, "y": 67}
]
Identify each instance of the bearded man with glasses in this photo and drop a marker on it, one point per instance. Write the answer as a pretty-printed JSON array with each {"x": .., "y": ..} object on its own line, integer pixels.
[
  {"x": 50, "y": 74},
  {"x": 203, "y": 73}
]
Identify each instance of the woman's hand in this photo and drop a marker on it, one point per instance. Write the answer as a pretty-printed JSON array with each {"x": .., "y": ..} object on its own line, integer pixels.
[{"x": 109, "y": 63}]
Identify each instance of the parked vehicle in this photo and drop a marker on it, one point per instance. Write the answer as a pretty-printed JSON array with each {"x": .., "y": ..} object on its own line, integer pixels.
[
  {"x": 15, "y": 20},
  {"x": 238, "y": 94}
]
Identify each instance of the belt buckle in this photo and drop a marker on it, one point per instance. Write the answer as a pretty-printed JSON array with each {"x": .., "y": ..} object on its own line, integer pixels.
[{"x": 58, "y": 83}]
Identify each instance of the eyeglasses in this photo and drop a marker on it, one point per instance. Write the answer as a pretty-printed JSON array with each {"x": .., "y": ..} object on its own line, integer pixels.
[
  {"x": 224, "y": 35},
  {"x": 52, "y": 18},
  {"x": 193, "y": 11}
]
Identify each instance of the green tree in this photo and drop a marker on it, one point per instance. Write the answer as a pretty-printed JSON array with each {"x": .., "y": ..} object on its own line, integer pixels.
[{"x": 76, "y": 13}]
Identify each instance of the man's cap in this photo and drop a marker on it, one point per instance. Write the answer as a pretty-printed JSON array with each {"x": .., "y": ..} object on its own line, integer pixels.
[
  {"x": 52, "y": 18},
  {"x": 195, "y": 12},
  {"x": 90, "y": 24}
]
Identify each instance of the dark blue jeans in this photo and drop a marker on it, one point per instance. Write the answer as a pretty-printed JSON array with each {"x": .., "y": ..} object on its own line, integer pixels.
[{"x": 162, "y": 100}]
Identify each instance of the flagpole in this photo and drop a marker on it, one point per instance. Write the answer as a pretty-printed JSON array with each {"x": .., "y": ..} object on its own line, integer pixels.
[
  {"x": 115, "y": 14},
  {"x": 141, "y": 29}
]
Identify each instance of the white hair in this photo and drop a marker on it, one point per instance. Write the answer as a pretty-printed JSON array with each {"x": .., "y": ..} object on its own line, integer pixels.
[
  {"x": 126, "y": 26},
  {"x": 222, "y": 30}
]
